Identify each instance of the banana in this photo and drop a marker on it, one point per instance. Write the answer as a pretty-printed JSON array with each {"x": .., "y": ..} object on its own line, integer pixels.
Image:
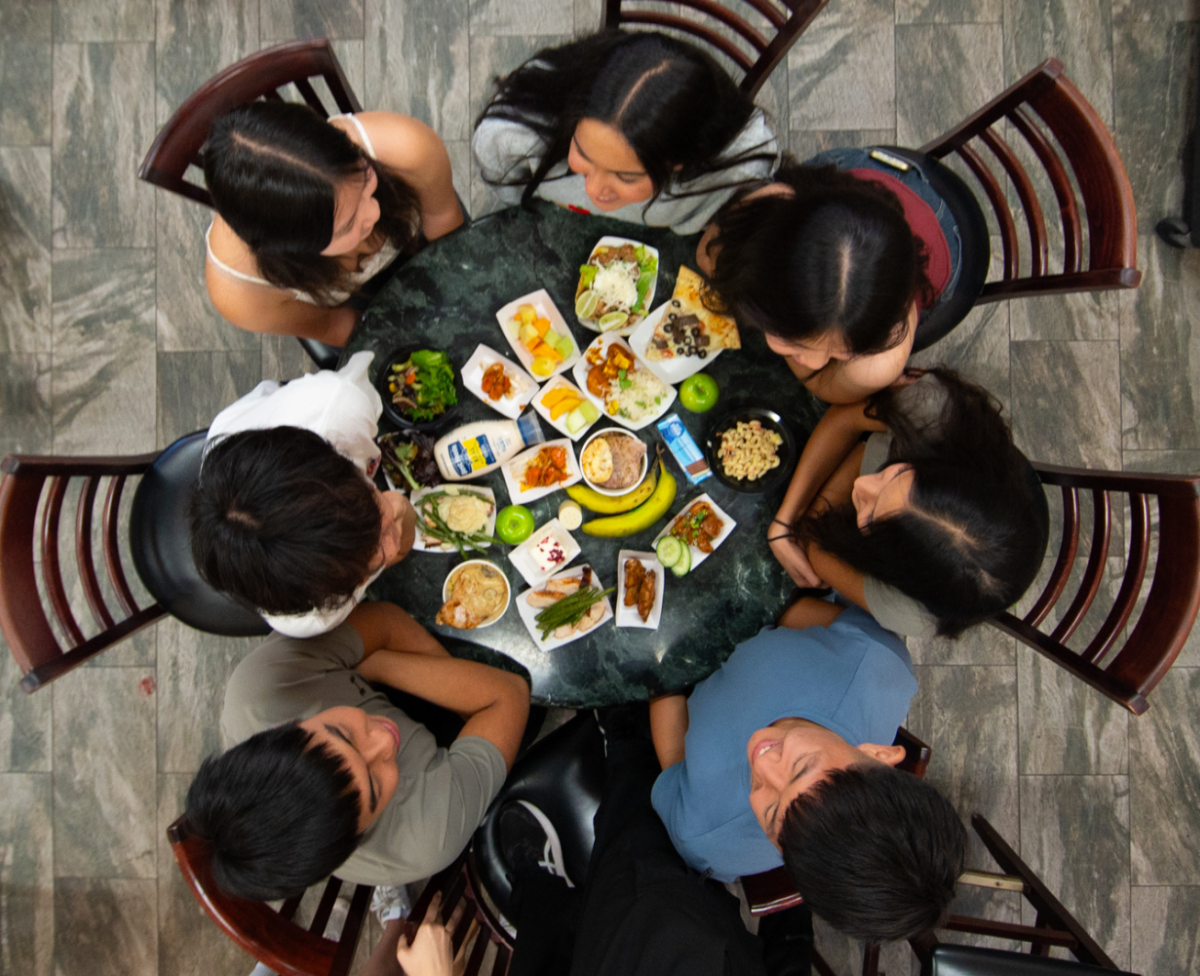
[
  {"x": 592, "y": 500},
  {"x": 642, "y": 517}
]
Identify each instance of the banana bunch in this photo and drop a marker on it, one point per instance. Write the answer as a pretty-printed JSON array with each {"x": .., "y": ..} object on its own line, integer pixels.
[
  {"x": 652, "y": 508},
  {"x": 593, "y": 501}
]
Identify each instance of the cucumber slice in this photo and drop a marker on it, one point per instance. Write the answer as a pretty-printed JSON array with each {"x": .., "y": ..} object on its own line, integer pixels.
[
  {"x": 684, "y": 563},
  {"x": 670, "y": 550}
]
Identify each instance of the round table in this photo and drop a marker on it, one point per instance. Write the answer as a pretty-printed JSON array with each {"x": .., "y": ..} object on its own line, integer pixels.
[{"x": 446, "y": 297}]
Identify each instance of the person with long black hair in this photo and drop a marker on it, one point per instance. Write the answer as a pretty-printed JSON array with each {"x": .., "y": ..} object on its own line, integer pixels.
[
  {"x": 837, "y": 267},
  {"x": 935, "y": 523},
  {"x": 309, "y": 211},
  {"x": 640, "y": 126}
]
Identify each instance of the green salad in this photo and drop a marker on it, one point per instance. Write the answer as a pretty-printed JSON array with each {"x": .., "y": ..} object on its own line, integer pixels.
[{"x": 423, "y": 385}]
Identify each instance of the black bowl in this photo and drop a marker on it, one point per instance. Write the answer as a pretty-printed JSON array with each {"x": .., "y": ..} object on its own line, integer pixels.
[
  {"x": 771, "y": 421},
  {"x": 393, "y": 413}
]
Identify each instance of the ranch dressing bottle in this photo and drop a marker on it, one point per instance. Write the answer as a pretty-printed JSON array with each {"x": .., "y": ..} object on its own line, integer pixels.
[{"x": 475, "y": 449}]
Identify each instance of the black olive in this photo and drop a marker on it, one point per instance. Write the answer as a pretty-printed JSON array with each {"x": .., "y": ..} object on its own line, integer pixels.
[{"x": 703, "y": 354}]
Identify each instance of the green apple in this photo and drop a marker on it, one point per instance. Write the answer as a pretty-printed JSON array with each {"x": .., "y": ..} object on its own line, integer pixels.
[
  {"x": 698, "y": 393},
  {"x": 514, "y": 524}
]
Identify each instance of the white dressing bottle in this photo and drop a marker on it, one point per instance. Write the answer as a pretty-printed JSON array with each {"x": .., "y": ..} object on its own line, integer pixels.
[{"x": 476, "y": 448}]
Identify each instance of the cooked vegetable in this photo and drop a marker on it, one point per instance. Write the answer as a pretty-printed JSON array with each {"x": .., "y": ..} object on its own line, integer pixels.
[
  {"x": 434, "y": 525},
  {"x": 570, "y": 609},
  {"x": 423, "y": 385}
]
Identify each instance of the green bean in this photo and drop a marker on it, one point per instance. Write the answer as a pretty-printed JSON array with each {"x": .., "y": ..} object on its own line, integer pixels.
[{"x": 570, "y": 609}]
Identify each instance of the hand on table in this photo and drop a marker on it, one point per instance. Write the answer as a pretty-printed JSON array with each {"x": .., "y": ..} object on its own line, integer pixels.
[
  {"x": 792, "y": 558},
  {"x": 429, "y": 952}
]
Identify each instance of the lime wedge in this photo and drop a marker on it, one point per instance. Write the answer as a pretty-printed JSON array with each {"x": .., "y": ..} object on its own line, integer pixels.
[
  {"x": 613, "y": 320},
  {"x": 585, "y": 304}
]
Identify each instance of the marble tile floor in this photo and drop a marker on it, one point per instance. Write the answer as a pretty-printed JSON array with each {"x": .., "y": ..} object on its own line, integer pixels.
[{"x": 108, "y": 344}]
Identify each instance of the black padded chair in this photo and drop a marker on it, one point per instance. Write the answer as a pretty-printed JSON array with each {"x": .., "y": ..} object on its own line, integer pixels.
[
  {"x": 160, "y": 543},
  {"x": 563, "y": 776},
  {"x": 956, "y": 960},
  {"x": 32, "y": 582}
]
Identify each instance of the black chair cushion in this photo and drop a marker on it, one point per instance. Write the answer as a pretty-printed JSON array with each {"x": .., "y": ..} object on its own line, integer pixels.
[
  {"x": 976, "y": 247},
  {"x": 563, "y": 776},
  {"x": 956, "y": 960},
  {"x": 160, "y": 543}
]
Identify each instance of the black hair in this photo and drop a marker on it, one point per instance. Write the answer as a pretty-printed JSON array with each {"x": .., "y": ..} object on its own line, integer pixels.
[
  {"x": 973, "y": 535},
  {"x": 279, "y": 813},
  {"x": 282, "y": 522},
  {"x": 874, "y": 851},
  {"x": 274, "y": 170},
  {"x": 832, "y": 254},
  {"x": 676, "y": 107}
]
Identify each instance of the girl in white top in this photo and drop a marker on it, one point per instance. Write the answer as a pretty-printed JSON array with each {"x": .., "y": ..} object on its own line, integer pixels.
[
  {"x": 641, "y": 127},
  {"x": 309, "y": 210},
  {"x": 285, "y": 515}
]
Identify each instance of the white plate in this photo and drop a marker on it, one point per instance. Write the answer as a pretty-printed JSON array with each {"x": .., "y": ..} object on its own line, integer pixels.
[
  {"x": 420, "y": 544},
  {"x": 480, "y": 562},
  {"x": 561, "y": 423},
  {"x": 601, "y": 343},
  {"x": 524, "y": 386},
  {"x": 528, "y": 613},
  {"x": 609, "y": 241},
  {"x": 541, "y": 301},
  {"x": 513, "y": 470},
  {"x": 697, "y": 556},
  {"x": 672, "y": 370},
  {"x": 629, "y": 616},
  {"x": 522, "y": 557}
]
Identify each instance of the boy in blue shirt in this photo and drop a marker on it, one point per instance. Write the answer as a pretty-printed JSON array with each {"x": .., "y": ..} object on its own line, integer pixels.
[{"x": 785, "y": 756}]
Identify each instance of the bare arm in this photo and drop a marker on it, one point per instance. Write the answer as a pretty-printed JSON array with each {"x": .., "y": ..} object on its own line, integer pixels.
[
  {"x": 668, "y": 728},
  {"x": 809, "y": 611},
  {"x": 495, "y": 703},
  {"x": 412, "y": 149}
]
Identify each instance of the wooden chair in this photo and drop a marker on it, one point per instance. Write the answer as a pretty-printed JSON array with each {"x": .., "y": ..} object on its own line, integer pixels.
[
  {"x": 460, "y": 884},
  {"x": 180, "y": 143},
  {"x": 272, "y": 937},
  {"x": 1125, "y": 670},
  {"x": 1042, "y": 108},
  {"x": 1054, "y": 925},
  {"x": 773, "y": 891},
  {"x": 787, "y": 20},
  {"x": 32, "y": 492}
]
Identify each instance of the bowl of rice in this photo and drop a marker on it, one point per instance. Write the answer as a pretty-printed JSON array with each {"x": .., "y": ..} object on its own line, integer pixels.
[{"x": 751, "y": 449}]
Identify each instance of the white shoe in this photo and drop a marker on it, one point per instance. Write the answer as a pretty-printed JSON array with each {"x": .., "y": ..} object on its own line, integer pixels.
[
  {"x": 552, "y": 855},
  {"x": 390, "y": 902},
  {"x": 261, "y": 970}
]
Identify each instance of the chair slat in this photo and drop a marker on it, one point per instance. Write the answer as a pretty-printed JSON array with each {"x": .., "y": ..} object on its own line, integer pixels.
[
  {"x": 1010, "y": 930},
  {"x": 723, "y": 44},
  {"x": 772, "y": 13},
  {"x": 475, "y": 960},
  {"x": 272, "y": 96},
  {"x": 1072, "y": 227},
  {"x": 1066, "y": 559},
  {"x": 343, "y": 956},
  {"x": 1131, "y": 582},
  {"x": 1093, "y": 573},
  {"x": 991, "y": 187},
  {"x": 503, "y": 960},
  {"x": 56, "y": 667},
  {"x": 1035, "y": 223},
  {"x": 309, "y": 94},
  {"x": 51, "y": 571},
  {"x": 112, "y": 545},
  {"x": 325, "y": 907},
  {"x": 83, "y": 553},
  {"x": 726, "y": 16},
  {"x": 460, "y": 933}
]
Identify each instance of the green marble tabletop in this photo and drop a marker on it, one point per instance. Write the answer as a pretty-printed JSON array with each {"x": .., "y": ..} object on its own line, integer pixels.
[{"x": 446, "y": 297}]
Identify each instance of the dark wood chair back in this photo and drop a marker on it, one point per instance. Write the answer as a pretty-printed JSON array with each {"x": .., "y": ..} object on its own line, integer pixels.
[
  {"x": 1124, "y": 670},
  {"x": 459, "y": 884},
  {"x": 1054, "y": 926},
  {"x": 1064, "y": 134},
  {"x": 180, "y": 143},
  {"x": 785, "y": 20},
  {"x": 271, "y": 936},
  {"x": 32, "y": 493},
  {"x": 773, "y": 891}
]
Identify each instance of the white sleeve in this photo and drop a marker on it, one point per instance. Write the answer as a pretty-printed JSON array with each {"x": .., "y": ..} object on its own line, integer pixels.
[{"x": 341, "y": 407}]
